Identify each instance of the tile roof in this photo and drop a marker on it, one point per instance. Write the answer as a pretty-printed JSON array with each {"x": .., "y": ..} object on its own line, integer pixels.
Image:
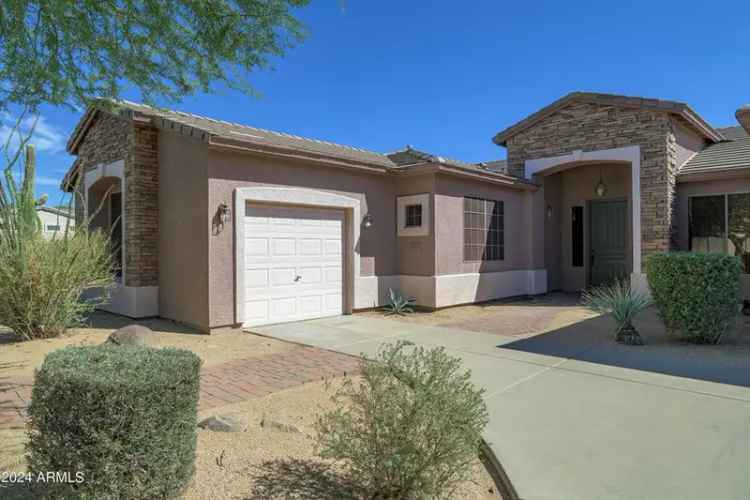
[
  {"x": 409, "y": 157},
  {"x": 238, "y": 132},
  {"x": 721, "y": 157},
  {"x": 223, "y": 133},
  {"x": 495, "y": 165}
]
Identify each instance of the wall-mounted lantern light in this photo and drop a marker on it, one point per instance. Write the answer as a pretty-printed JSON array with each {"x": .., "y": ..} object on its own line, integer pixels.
[
  {"x": 601, "y": 188},
  {"x": 225, "y": 213},
  {"x": 367, "y": 221},
  {"x": 549, "y": 211}
]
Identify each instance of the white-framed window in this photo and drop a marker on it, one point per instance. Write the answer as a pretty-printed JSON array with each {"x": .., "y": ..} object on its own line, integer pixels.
[
  {"x": 413, "y": 215},
  {"x": 51, "y": 227}
]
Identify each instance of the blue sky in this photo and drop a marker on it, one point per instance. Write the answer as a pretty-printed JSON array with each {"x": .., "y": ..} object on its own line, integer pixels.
[{"x": 444, "y": 76}]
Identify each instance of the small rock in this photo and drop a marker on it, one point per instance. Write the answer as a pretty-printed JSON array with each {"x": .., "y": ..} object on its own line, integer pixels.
[
  {"x": 132, "y": 335},
  {"x": 221, "y": 423},
  {"x": 278, "y": 426}
]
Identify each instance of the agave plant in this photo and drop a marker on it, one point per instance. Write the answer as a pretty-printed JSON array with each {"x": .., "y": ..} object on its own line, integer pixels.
[
  {"x": 398, "y": 304},
  {"x": 623, "y": 304}
]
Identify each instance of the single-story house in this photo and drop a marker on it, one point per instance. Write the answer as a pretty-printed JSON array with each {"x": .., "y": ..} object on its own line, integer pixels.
[
  {"x": 226, "y": 224},
  {"x": 54, "y": 220}
]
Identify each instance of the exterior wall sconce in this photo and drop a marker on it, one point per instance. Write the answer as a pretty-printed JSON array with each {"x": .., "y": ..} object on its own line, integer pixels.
[
  {"x": 549, "y": 211},
  {"x": 367, "y": 221},
  {"x": 601, "y": 188},
  {"x": 225, "y": 213}
]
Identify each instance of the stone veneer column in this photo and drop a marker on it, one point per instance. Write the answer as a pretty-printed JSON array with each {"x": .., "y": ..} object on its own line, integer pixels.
[
  {"x": 142, "y": 208},
  {"x": 593, "y": 127}
]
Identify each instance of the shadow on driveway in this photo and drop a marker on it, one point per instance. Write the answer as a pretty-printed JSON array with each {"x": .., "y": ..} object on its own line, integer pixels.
[{"x": 592, "y": 341}]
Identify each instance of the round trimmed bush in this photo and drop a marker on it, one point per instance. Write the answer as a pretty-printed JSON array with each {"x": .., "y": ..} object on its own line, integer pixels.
[
  {"x": 123, "y": 417},
  {"x": 698, "y": 294}
]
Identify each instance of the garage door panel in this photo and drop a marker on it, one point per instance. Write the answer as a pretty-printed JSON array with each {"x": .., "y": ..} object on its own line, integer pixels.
[
  {"x": 293, "y": 263},
  {"x": 309, "y": 247},
  {"x": 283, "y": 246},
  {"x": 256, "y": 278},
  {"x": 310, "y": 275},
  {"x": 256, "y": 247},
  {"x": 283, "y": 276},
  {"x": 256, "y": 310}
]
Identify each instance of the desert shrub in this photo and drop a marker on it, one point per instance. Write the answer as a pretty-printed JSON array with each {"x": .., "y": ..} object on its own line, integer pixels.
[
  {"x": 410, "y": 429},
  {"x": 398, "y": 304},
  {"x": 697, "y": 294},
  {"x": 621, "y": 302},
  {"x": 123, "y": 416},
  {"x": 42, "y": 281}
]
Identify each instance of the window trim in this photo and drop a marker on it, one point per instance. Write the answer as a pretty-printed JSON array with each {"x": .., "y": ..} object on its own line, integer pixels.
[
  {"x": 423, "y": 199},
  {"x": 726, "y": 195},
  {"x": 501, "y": 247}
]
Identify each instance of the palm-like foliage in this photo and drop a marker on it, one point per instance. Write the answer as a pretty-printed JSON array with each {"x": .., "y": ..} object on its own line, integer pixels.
[
  {"x": 621, "y": 302},
  {"x": 398, "y": 304}
]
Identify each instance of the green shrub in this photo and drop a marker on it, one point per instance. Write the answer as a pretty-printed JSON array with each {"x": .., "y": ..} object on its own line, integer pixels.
[
  {"x": 622, "y": 303},
  {"x": 410, "y": 429},
  {"x": 123, "y": 416},
  {"x": 697, "y": 294}
]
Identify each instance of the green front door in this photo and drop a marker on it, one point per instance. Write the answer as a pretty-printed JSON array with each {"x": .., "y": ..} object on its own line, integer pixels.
[{"x": 608, "y": 239}]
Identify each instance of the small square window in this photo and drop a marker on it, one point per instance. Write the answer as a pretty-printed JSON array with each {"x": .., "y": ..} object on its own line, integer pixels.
[
  {"x": 53, "y": 228},
  {"x": 413, "y": 216}
]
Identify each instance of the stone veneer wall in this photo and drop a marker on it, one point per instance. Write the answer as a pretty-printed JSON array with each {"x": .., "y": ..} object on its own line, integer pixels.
[
  {"x": 111, "y": 138},
  {"x": 591, "y": 127}
]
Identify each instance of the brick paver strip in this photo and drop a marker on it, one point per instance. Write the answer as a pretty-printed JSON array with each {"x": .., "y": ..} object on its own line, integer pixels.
[{"x": 231, "y": 382}]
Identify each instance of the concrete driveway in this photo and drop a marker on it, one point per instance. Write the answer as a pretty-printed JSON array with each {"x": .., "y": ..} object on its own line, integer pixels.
[{"x": 575, "y": 416}]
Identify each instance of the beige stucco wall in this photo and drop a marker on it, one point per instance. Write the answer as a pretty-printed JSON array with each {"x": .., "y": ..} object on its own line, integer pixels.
[
  {"x": 183, "y": 244},
  {"x": 575, "y": 187},
  {"x": 416, "y": 254},
  {"x": 554, "y": 232},
  {"x": 523, "y": 239},
  {"x": 228, "y": 171},
  {"x": 686, "y": 142},
  {"x": 687, "y": 189}
]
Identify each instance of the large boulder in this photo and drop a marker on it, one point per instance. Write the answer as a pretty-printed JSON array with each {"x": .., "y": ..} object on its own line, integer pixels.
[{"x": 133, "y": 335}]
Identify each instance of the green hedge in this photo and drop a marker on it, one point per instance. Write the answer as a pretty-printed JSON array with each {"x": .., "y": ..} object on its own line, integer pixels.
[
  {"x": 123, "y": 416},
  {"x": 697, "y": 294}
]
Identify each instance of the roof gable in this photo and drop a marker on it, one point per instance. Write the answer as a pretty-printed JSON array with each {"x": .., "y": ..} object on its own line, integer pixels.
[{"x": 656, "y": 105}]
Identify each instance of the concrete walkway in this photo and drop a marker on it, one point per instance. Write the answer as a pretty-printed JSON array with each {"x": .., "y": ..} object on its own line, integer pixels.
[{"x": 566, "y": 427}]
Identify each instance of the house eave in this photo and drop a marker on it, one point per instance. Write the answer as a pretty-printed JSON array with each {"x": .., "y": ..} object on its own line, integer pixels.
[
  {"x": 216, "y": 143},
  {"x": 713, "y": 174},
  {"x": 431, "y": 168}
]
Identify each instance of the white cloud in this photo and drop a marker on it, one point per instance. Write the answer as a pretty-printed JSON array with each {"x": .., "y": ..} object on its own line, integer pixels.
[{"x": 46, "y": 137}]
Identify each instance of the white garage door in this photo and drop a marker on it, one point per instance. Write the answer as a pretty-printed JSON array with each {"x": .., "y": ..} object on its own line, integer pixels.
[{"x": 292, "y": 263}]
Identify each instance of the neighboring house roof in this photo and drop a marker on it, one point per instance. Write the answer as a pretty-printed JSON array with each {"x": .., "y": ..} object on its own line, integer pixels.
[
  {"x": 733, "y": 132},
  {"x": 55, "y": 211},
  {"x": 245, "y": 138},
  {"x": 673, "y": 107}
]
